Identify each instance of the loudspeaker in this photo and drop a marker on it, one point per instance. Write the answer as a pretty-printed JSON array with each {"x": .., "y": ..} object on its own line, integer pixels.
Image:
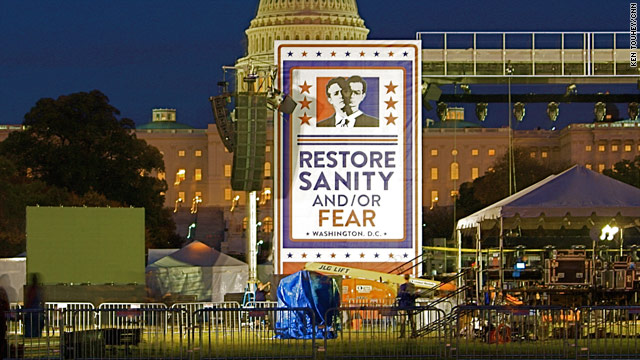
[
  {"x": 251, "y": 137},
  {"x": 433, "y": 92},
  {"x": 223, "y": 121}
]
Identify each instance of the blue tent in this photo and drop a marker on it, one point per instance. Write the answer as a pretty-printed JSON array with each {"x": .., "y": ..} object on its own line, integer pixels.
[{"x": 312, "y": 291}]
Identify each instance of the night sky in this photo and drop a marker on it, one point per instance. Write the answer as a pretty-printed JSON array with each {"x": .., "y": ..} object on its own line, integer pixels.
[{"x": 144, "y": 54}]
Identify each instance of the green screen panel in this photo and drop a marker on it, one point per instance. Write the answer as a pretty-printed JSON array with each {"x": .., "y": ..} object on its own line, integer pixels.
[{"x": 86, "y": 245}]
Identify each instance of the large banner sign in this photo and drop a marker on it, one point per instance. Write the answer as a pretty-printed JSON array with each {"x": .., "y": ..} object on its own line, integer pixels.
[{"x": 348, "y": 159}]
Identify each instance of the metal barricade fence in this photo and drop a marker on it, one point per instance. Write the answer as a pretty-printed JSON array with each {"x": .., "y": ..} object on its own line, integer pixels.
[
  {"x": 58, "y": 319},
  {"x": 132, "y": 333},
  {"x": 386, "y": 332},
  {"x": 27, "y": 335},
  {"x": 216, "y": 340},
  {"x": 255, "y": 316},
  {"x": 467, "y": 332},
  {"x": 523, "y": 332},
  {"x": 609, "y": 332},
  {"x": 112, "y": 320},
  {"x": 231, "y": 319}
]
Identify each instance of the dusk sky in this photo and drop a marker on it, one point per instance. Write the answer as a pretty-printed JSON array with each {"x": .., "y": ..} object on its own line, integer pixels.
[{"x": 145, "y": 54}]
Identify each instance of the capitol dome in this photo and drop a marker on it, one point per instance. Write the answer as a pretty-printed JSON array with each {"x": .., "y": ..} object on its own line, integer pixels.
[
  {"x": 298, "y": 20},
  {"x": 303, "y": 20}
]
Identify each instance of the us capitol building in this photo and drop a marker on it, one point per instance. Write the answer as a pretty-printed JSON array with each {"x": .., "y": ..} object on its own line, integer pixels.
[{"x": 198, "y": 168}]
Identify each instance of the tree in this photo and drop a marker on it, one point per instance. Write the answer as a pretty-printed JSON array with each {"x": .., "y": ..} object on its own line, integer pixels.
[
  {"x": 627, "y": 171},
  {"x": 494, "y": 184},
  {"x": 78, "y": 144}
]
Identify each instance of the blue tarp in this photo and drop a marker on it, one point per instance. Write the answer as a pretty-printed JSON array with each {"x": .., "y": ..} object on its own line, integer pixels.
[{"x": 312, "y": 291}]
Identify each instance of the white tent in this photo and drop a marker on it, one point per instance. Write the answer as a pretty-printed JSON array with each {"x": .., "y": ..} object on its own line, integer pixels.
[
  {"x": 197, "y": 270},
  {"x": 13, "y": 275},
  {"x": 573, "y": 199},
  {"x": 156, "y": 254}
]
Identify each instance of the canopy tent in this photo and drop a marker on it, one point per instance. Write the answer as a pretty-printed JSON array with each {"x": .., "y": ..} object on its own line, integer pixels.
[
  {"x": 573, "y": 199},
  {"x": 197, "y": 270},
  {"x": 13, "y": 275}
]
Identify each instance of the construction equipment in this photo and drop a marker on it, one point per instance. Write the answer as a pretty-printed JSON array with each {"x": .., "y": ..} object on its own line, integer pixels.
[{"x": 375, "y": 275}]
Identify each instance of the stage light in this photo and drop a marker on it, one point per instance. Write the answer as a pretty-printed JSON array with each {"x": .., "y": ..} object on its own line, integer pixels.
[
  {"x": 518, "y": 111},
  {"x": 430, "y": 92},
  {"x": 276, "y": 100},
  {"x": 609, "y": 232},
  {"x": 481, "y": 111},
  {"x": 600, "y": 110},
  {"x": 632, "y": 109},
  {"x": 442, "y": 110},
  {"x": 572, "y": 89},
  {"x": 553, "y": 110}
]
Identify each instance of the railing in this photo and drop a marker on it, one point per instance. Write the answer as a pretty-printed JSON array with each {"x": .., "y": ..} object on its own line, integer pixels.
[
  {"x": 546, "y": 54},
  {"x": 348, "y": 332}
]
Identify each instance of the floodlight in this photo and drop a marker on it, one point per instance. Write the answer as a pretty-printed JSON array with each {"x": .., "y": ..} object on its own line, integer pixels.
[
  {"x": 633, "y": 111},
  {"x": 430, "y": 92},
  {"x": 553, "y": 110},
  {"x": 465, "y": 88},
  {"x": 178, "y": 202},
  {"x": 572, "y": 89},
  {"x": 276, "y": 100},
  {"x": 600, "y": 110},
  {"x": 481, "y": 111},
  {"x": 234, "y": 203},
  {"x": 518, "y": 111},
  {"x": 442, "y": 110},
  {"x": 609, "y": 232}
]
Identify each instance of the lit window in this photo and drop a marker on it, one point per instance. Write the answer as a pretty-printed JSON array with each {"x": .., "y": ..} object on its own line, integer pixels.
[
  {"x": 227, "y": 170},
  {"x": 267, "y": 169},
  {"x": 601, "y": 148},
  {"x": 181, "y": 153},
  {"x": 627, "y": 148},
  {"x": 544, "y": 154},
  {"x": 474, "y": 173},
  {"x": 199, "y": 194},
  {"x": 267, "y": 224},
  {"x": 181, "y": 175},
  {"x": 600, "y": 167},
  {"x": 454, "y": 152},
  {"x": 533, "y": 154},
  {"x": 161, "y": 175},
  {"x": 474, "y": 152},
  {"x": 181, "y": 195},
  {"x": 434, "y": 173},
  {"x": 227, "y": 194},
  {"x": 614, "y": 148},
  {"x": 198, "y": 153},
  {"x": 455, "y": 171},
  {"x": 588, "y": 166},
  {"x": 492, "y": 152},
  {"x": 245, "y": 221},
  {"x": 587, "y": 148},
  {"x": 198, "y": 175},
  {"x": 267, "y": 148},
  {"x": 434, "y": 152},
  {"x": 434, "y": 197}
]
